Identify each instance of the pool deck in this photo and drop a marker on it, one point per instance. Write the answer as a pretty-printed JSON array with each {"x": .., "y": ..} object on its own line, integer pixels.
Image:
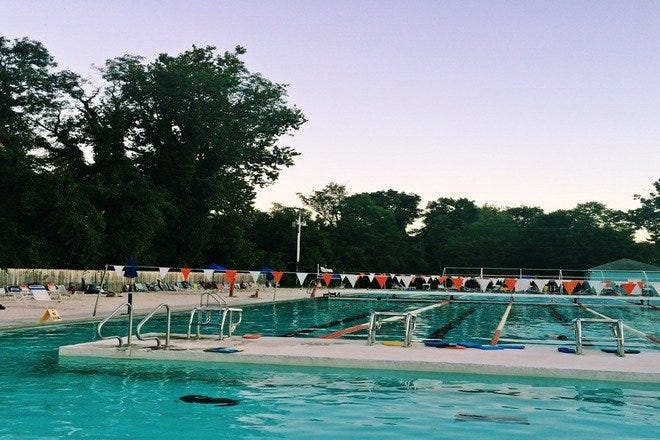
[{"x": 533, "y": 361}]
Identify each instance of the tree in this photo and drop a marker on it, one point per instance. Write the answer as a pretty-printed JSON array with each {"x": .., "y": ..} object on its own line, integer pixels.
[
  {"x": 204, "y": 130},
  {"x": 647, "y": 216},
  {"x": 45, "y": 215},
  {"x": 326, "y": 203}
]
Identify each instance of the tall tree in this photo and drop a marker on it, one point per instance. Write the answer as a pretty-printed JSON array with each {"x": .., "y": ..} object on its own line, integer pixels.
[
  {"x": 326, "y": 202},
  {"x": 647, "y": 215},
  {"x": 205, "y": 131}
]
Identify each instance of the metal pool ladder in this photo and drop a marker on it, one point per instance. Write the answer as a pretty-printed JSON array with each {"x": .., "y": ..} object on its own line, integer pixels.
[
  {"x": 168, "y": 326},
  {"x": 129, "y": 332},
  {"x": 211, "y": 305},
  {"x": 376, "y": 320},
  {"x": 617, "y": 332}
]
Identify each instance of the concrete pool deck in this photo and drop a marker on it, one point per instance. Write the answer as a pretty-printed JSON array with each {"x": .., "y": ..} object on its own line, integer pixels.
[{"x": 533, "y": 361}]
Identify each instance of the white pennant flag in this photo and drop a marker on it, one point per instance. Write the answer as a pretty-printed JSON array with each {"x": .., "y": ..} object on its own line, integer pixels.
[
  {"x": 119, "y": 270},
  {"x": 301, "y": 277},
  {"x": 540, "y": 283},
  {"x": 208, "y": 274},
  {"x": 522, "y": 285},
  {"x": 351, "y": 279},
  {"x": 406, "y": 280},
  {"x": 162, "y": 271},
  {"x": 483, "y": 283},
  {"x": 597, "y": 286},
  {"x": 393, "y": 275},
  {"x": 371, "y": 276},
  {"x": 255, "y": 275},
  {"x": 656, "y": 286}
]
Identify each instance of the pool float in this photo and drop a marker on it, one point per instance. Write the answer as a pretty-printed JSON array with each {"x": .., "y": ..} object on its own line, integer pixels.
[
  {"x": 566, "y": 350},
  {"x": 223, "y": 350},
  {"x": 251, "y": 336},
  {"x": 217, "y": 401},
  {"x": 613, "y": 350},
  {"x": 393, "y": 343}
]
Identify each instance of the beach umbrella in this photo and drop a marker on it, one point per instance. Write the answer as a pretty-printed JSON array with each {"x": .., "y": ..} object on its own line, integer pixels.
[
  {"x": 130, "y": 270},
  {"x": 217, "y": 267}
]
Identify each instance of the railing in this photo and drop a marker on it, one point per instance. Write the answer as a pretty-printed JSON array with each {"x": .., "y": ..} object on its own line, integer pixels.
[
  {"x": 119, "y": 308},
  {"x": 138, "y": 329},
  {"x": 376, "y": 321},
  {"x": 211, "y": 304},
  {"x": 617, "y": 332},
  {"x": 229, "y": 311}
]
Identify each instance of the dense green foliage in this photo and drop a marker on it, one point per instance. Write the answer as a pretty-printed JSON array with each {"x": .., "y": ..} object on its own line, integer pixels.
[{"x": 162, "y": 161}]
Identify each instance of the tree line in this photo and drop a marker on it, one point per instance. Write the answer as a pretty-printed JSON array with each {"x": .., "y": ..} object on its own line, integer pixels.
[{"x": 161, "y": 162}]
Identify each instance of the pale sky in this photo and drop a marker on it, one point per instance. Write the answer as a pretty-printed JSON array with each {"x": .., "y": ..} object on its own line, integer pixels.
[{"x": 539, "y": 103}]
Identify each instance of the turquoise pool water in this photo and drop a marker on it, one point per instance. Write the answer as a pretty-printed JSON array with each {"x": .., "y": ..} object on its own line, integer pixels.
[
  {"x": 454, "y": 322},
  {"x": 45, "y": 398}
]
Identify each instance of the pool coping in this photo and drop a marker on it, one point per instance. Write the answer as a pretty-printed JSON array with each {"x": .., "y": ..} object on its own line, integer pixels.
[{"x": 533, "y": 361}]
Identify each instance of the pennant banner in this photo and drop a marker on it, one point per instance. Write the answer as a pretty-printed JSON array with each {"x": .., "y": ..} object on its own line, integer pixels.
[
  {"x": 185, "y": 272},
  {"x": 162, "y": 271},
  {"x": 301, "y": 277},
  {"x": 510, "y": 284},
  {"x": 255, "y": 275},
  {"x": 119, "y": 270},
  {"x": 458, "y": 282},
  {"x": 208, "y": 274},
  {"x": 597, "y": 286},
  {"x": 483, "y": 283},
  {"x": 406, "y": 280},
  {"x": 522, "y": 285},
  {"x": 230, "y": 276},
  {"x": 381, "y": 279},
  {"x": 327, "y": 277},
  {"x": 371, "y": 277},
  {"x": 351, "y": 279},
  {"x": 540, "y": 283},
  {"x": 277, "y": 276},
  {"x": 570, "y": 285}
]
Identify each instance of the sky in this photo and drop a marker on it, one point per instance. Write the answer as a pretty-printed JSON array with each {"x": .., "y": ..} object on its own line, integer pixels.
[{"x": 506, "y": 103}]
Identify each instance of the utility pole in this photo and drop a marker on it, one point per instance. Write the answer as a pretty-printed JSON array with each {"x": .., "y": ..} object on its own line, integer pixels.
[{"x": 299, "y": 223}]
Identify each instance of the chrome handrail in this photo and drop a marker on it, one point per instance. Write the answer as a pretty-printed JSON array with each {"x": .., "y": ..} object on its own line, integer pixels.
[
  {"x": 100, "y": 325},
  {"x": 232, "y": 325},
  {"x": 167, "y": 328},
  {"x": 376, "y": 321}
]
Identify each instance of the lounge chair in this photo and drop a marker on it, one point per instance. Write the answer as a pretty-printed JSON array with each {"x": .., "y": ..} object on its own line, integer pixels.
[{"x": 39, "y": 292}]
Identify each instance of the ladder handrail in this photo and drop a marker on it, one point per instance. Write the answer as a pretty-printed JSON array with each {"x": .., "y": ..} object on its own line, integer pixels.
[
  {"x": 114, "y": 312},
  {"x": 148, "y": 317},
  {"x": 232, "y": 325},
  {"x": 375, "y": 324},
  {"x": 219, "y": 299}
]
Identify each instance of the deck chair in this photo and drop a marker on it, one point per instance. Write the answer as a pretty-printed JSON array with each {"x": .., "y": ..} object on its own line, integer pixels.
[
  {"x": 39, "y": 292},
  {"x": 22, "y": 293}
]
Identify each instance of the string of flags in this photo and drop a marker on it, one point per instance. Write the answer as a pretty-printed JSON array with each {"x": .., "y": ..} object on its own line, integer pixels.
[{"x": 483, "y": 284}]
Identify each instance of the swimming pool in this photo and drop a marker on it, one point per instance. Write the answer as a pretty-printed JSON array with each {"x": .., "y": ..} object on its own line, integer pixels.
[
  {"x": 535, "y": 320},
  {"x": 50, "y": 398}
]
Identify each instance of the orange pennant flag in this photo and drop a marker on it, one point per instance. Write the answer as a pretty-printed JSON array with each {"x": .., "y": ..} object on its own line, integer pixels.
[
  {"x": 569, "y": 286},
  {"x": 628, "y": 287},
  {"x": 327, "y": 277},
  {"x": 381, "y": 280},
  {"x": 510, "y": 283},
  {"x": 185, "y": 272},
  {"x": 230, "y": 276},
  {"x": 458, "y": 282},
  {"x": 277, "y": 276}
]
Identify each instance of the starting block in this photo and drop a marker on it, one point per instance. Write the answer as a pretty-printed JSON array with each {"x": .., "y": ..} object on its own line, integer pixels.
[{"x": 51, "y": 314}]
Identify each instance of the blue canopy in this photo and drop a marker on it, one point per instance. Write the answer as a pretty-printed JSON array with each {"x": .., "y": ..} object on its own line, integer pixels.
[
  {"x": 217, "y": 267},
  {"x": 130, "y": 270}
]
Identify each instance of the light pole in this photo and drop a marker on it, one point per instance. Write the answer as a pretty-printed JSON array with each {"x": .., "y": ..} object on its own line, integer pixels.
[{"x": 299, "y": 223}]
